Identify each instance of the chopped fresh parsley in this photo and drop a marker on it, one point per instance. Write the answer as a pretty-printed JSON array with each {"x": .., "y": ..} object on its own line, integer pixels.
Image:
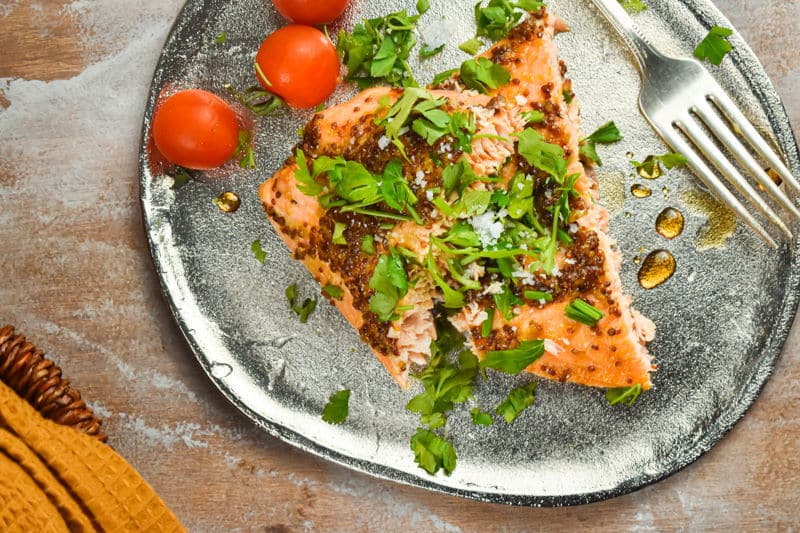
[
  {"x": 433, "y": 453},
  {"x": 302, "y": 311},
  {"x": 180, "y": 177},
  {"x": 333, "y": 291},
  {"x": 500, "y": 16},
  {"x": 582, "y": 312},
  {"x": 338, "y": 233},
  {"x": 442, "y": 76},
  {"x": 337, "y": 408},
  {"x": 222, "y": 38},
  {"x": 633, "y": 6},
  {"x": 515, "y": 360},
  {"x": 423, "y": 6},
  {"x": 256, "y": 100},
  {"x": 368, "y": 244},
  {"x": 650, "y": 168},
  {"x": 714, "y": 47},
  {"x": 624, "y": 395},
  {"x": 481, "y": 418},
  {"x": 258, "y": 251},
  {"x": 533, "y": 116},
  {"x": 517, "y": 401},
  {"x": 390, "y": 283},
  {"x": 505, "y": 301},
  {"x": 608, "y": 133},
  {"x": 426, "y": 51},
  {"x": 305, "y": 182},
  {"x": 471, "y": 47},
  {"x": 445, "y": 385},
  {"x": 482, "y": 75},
  {"x": 453, "y": 299},
  {"x": 244, "y": 151},
  {"x": 541, "y": 154},
  {"x": 377, "y": 50}
]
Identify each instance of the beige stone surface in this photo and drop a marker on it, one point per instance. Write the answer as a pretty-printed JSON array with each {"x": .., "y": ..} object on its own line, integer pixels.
[{"x": 78, "y": 280}]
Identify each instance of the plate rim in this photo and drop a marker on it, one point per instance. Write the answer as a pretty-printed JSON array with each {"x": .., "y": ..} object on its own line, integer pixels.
[{"x": 750, "y": 67}]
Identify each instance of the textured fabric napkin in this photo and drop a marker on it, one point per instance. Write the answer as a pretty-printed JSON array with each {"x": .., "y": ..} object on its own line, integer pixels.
[{"x": 55, "y": 478}]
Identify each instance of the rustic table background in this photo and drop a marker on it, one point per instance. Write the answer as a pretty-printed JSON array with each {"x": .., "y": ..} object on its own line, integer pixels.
[{"x": 78, "y": 279}]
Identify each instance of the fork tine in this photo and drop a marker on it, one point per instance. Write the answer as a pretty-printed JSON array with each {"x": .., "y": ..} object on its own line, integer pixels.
[
  {"x": 711, "y": 181},
  {"x": 729, "y": 108},
  {"x": 710, "y": 150},
  {"x": 729, "y": 140}
]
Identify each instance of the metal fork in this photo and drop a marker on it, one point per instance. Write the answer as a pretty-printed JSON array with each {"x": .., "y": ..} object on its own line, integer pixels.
[{"x": 679, "y": 97}]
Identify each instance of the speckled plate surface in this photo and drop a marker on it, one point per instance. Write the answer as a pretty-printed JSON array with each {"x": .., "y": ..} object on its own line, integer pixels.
[{"x": 722, "y": 319}]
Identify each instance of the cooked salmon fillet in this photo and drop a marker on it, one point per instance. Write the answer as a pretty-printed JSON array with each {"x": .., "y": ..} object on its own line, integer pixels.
[{"x": 561, "y": 250}]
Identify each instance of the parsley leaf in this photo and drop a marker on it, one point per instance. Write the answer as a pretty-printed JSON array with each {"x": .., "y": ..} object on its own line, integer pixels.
[
  {"x": 482, "y": 75},
  {"x": 305, "y": 182},
  {"x": 515, "y": 360},
  {"x": 452, "y": 298},
  {"x": 423, "y": 6},
  {"x": 624, "y": 395},
  {"x": 541, "y": 154},
  {"x": 471, "y": 47},
  {"x": 499, "y": 16},
  {"x": 520, "y": 196},
  {"x": 481, "y": 418},
  {"x": 633, "y": 6},
  {"x": 368, "y": 244},
  {"x": 714, "y": 47},
  {"x": 302, "y": 311},
  {"x": 390, "y": 283},
  {"x": 222, "y": 38},
  {"x": 258, "y": 251},
  {"x": 442, "y": 76},
  {"x": 338, "y": 233},
  {"x": 337, "y": 408},
  {"x": 517, "y": 401},
  {"x": 650, "y": 168},
  {"x": 256, "y": 100},
  {"x": 432, "y": 452},
  {"x": 333, "y": 291},
  {"x": 533, "y": 116},
  {"x": 505, "y": 301},
  {"x": 377, "y": 50},
  {"x": 608, "y": 133},
  {"x": 445, "y": 385}
]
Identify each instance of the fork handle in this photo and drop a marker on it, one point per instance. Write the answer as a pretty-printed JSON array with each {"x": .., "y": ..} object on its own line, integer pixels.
[{"x": 644, "y": 52}]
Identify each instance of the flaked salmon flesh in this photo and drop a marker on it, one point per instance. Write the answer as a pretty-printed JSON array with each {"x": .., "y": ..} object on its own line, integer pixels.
[{"x": 611, "y": 354}]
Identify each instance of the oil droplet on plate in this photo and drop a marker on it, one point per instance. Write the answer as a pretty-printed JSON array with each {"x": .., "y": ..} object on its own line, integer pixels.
[
  {"x": 721, "y": 222},
  {"x": 669, "y": 223},
  {"x": 629, "y": 155},
  {"x": 221, "y": 370},
  {"x": 640, "y": 191},
  {"x": 650, "y": 169},
  {"x": 228, "y": 202},
  {"x": 657, "y": 267},
  {"x": 637, "y": 259}
]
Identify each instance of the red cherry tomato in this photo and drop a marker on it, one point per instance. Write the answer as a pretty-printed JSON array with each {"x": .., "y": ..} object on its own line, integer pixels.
[
  {"x": 311, "y": 11},
  {"x": 300, "y": 64},
  {"x": 195, "y": 129}
]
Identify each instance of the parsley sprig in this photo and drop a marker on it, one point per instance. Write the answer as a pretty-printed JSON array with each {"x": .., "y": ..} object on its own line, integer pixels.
[
  {"x": 714, "y": 47},
  {"x": 515, "y": 360},
  {"x": 650, "y": 168},
  {"x": 256, "y": 100},
  {"x": 608, "y": 133},
  {"x": 482, "y": 75},
  {"x": 377, "y": 50},
  {"x": 517, "y": 401},
  {"x": 303, "y": 311},
  {"x": 433, "y": 453},
  {"x": 390, "y": 283}
]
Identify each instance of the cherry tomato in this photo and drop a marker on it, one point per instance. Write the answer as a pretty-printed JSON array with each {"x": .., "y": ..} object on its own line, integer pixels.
[
  {"x": 311, "y": 11},
  {"x": 300, "y": 65},
  {"x": 195, "y": 129}
]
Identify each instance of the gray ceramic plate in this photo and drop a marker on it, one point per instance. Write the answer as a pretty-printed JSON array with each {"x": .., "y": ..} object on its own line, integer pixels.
[{"x": 722, "y": 319}]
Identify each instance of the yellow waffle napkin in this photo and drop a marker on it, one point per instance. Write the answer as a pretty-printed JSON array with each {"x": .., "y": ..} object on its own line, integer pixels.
[{"x": 55, "y": 478}]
